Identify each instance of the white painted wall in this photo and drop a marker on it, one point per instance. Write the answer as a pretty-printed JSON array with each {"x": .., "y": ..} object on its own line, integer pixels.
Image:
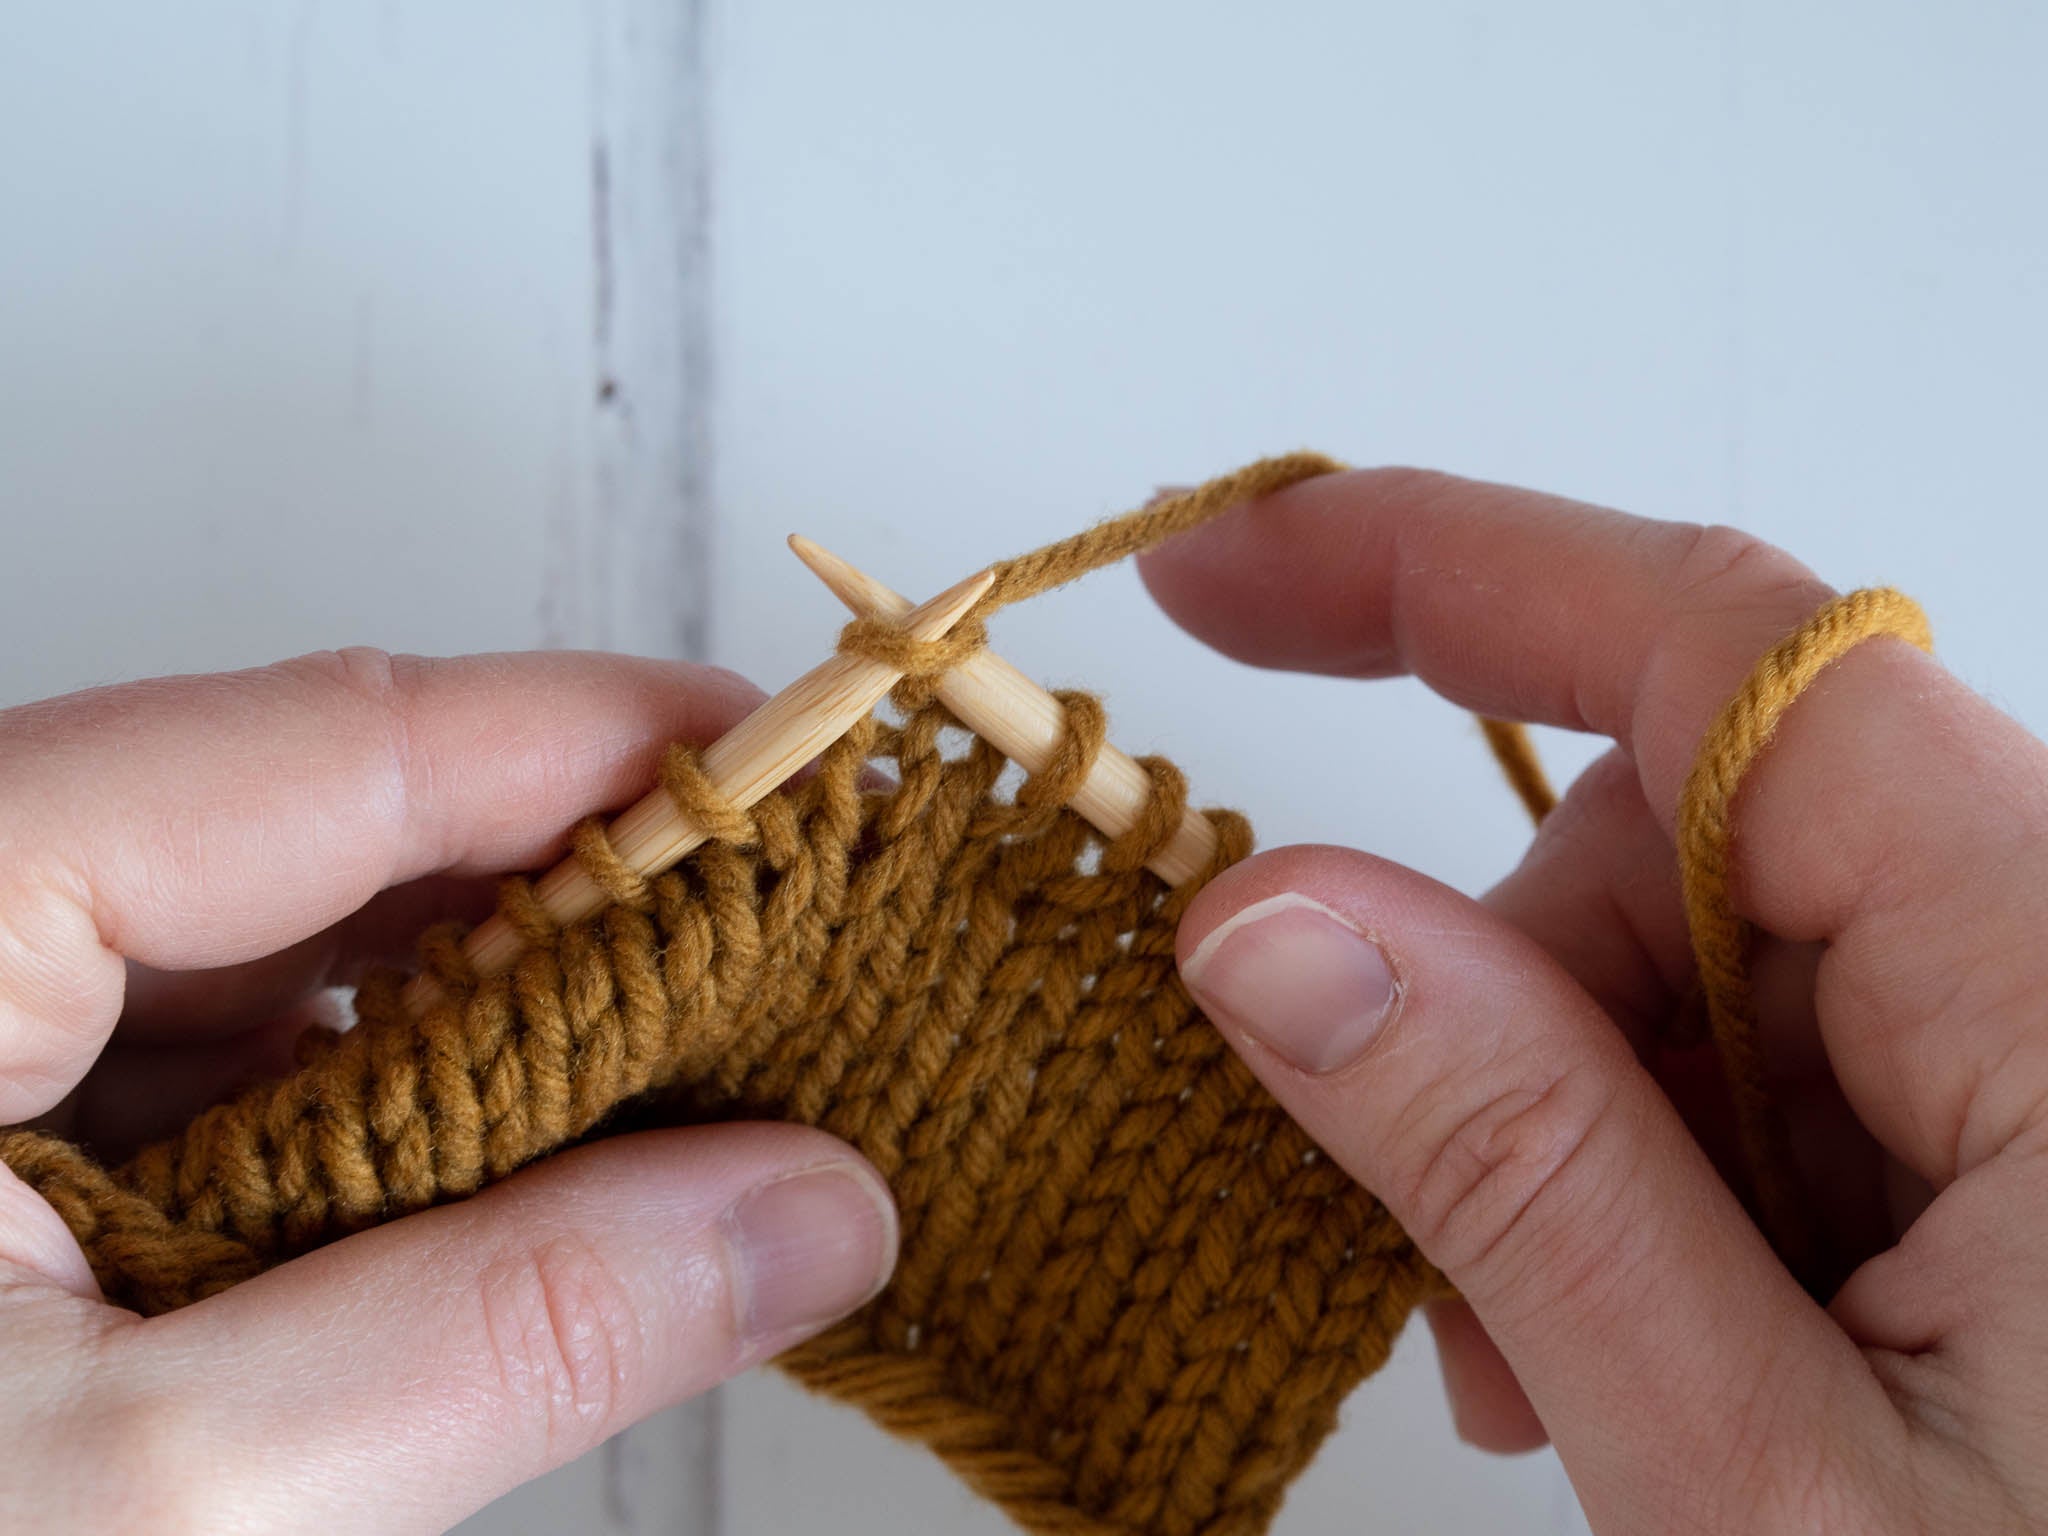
[
  {"x": 300, "y": 343},
  {"x": 305, "y": 317}
]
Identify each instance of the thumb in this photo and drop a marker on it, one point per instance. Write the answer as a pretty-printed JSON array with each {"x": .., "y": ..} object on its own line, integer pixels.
[
  {"x": 452, "y": 1355},
  {"x": 1450, "y": 1065}
]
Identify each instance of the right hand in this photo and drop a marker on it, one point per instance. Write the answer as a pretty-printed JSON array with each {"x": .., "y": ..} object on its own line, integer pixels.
[{"x": 1492, "y": 1070}]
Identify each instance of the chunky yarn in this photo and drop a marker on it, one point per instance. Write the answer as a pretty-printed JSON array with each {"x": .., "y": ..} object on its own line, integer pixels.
[{"x": 1131, "y": 1293}]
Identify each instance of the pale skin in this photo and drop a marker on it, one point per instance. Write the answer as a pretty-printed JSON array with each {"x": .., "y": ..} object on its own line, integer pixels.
[
  {"x": 1510, "y": 1108},
  {"x": 187, "y": 861}
]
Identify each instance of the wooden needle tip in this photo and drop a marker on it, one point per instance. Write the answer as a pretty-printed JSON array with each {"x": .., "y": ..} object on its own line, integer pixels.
[
  {"x": 871, "y": 599},
  {"x": 847, "y": 582},
  {"x": 950, "y": 606}
]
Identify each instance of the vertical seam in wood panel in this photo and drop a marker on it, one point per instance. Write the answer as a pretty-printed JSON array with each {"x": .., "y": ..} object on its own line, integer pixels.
[
  {"x": 649, "y": 530},
  {"x": 698, "y": 425},
  {"x": 698, "y": 511},
  {"x": 645, "y": 541},
  {"x": 697, "y": 340}
]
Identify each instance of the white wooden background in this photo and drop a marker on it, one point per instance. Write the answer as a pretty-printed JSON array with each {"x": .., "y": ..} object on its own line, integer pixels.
[{"x": 449, "y": 325}]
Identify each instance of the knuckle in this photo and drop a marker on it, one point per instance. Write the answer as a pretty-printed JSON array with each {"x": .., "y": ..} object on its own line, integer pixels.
[
  {"x": 387, "y": 687},
  {"x": 386, "y": 683},
  {"x": 60, "y": 986},
  {"x": 565, "y": 1337},
  {"x": 1510, "y": 1190},
  {"x": 1719, "y": 567},
  {"x": 1725, "y": 597},
  {"x": 375, "y": 674}
]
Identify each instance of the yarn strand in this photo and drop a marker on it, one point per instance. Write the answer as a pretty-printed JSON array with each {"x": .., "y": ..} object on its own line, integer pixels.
[
  {"x": 1069, "y": 559},
  {"x": 1721, "y": 938}
]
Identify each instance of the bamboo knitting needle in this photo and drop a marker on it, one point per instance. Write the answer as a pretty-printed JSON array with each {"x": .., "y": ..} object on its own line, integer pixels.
[
  {"x": 1026, "y": 723},
  {"x": 743, "y": 765}
]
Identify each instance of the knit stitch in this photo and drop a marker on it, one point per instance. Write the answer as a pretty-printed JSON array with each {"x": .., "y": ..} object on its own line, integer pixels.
[{"x": 1131, "y": 1292}]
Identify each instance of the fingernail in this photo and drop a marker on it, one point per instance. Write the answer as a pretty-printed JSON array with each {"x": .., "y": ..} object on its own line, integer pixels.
[
  {"x": 808, "y": 1248},
  {"x": 1295, "y": 976}
]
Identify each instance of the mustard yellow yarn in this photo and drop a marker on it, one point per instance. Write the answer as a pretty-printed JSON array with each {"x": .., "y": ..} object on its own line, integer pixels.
[
  {"x": 1131, "y": 1292},
  {"x": 1512, "y": 749},
  {"x": 1706, "y": 837}
]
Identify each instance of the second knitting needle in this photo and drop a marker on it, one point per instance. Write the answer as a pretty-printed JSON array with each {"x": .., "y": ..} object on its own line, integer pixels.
[
  {"x": 743, "y": 765},
  {"x": 1026, "y": 723}
]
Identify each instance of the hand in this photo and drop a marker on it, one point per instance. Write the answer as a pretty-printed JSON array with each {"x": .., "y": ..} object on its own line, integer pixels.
[
  {"x": 1492, "y": 1070},
  {"x": 186, "y": 863}
]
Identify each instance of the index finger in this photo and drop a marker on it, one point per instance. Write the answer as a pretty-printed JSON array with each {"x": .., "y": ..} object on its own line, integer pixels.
[
  {"x": 199, "y": 821},
  {"x": 1884, "y": 820},
  {"x": 1510, "y": 602}
]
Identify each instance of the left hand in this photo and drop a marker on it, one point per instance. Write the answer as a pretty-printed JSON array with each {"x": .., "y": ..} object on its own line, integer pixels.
[{"x": 184, "y": 864}]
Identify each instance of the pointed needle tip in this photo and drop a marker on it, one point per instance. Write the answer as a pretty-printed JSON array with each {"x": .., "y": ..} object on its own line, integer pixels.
[
  {"x": 867, "y": 596},
  {"x": 844, "y": 582},
  {"x": 951, "y": 605},
  {"x": 814, "y": 555}
]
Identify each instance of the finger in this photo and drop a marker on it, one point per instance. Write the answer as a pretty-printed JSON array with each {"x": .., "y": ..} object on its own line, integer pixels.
[
  {"x": 189, "y": 1039},
  {"x": 1510, "y": 602},
  {"x": 452, "y": 1355},
  {"x": 35, "y": 1245},
  {"x": 140, "y": 1092},
  {"x": 1597, "y": 891},
  {"x": 203, "y": 821},
  {"x": 1489, "y": 1409},
  {"x": 176, "y": 1006},
  {"x": 1457, "y": 1072},
  {"x": 1886, "y": 780},
  {"x": 1956, "y": 1309}
]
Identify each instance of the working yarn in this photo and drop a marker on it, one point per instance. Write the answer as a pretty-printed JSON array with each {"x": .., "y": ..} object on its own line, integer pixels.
[{"x": 1131, "y": 1293}]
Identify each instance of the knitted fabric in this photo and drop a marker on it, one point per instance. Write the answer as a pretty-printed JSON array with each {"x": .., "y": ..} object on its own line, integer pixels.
[{"x": 1131, "y": 1293}]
